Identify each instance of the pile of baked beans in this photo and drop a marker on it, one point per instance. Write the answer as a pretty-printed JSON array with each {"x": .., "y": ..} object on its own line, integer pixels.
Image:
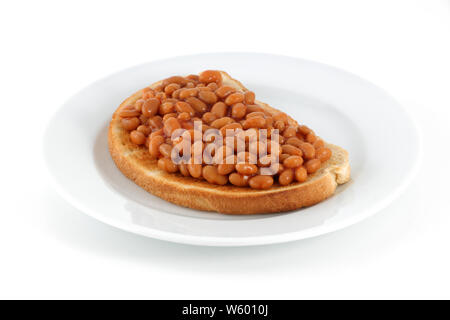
[{"x": 179, "y": 101}]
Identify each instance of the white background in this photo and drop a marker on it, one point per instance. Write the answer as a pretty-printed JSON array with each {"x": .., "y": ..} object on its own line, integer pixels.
[{"x": 51, "y": 49}]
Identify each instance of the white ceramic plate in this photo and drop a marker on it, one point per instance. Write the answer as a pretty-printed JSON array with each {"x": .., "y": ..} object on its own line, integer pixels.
[{"x": 382, "y": 141}]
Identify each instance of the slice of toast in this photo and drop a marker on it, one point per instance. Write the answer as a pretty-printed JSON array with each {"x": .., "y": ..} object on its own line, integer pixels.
[{"x": 136, "y": 163}]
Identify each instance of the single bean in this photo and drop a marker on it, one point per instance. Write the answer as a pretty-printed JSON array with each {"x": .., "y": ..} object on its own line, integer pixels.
[
  {"x": 323, "y": 154},
  {"x": 197, "y": 104},
  {"x": 150, "y": 107},
  {"x": 261, "y": 182},
  {"x": 154, "y": 144},
  {"x": 224, "y": 91},
  {"x": 246, "y": 169},
  {"x": 208, "y": 97},
  {"x": 209, "y": 76},
  {"x": 301, "y": 174},
  {"x": 137, "y": 137},
  {"x": 238, "y": 179},
  {"x": 219, "y": 109},
  {"x": 130, "y": 123},
  {"x": 234, "y": 98},
  {"x": 312, "y": 165},
  {"x": 167, "y": 165},
  {"x": 286, "y": 177},
  {"x": 293, "y": 162}
]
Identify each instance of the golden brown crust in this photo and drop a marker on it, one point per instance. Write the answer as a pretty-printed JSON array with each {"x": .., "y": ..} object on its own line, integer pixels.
[{"x": 137, "y": 164}]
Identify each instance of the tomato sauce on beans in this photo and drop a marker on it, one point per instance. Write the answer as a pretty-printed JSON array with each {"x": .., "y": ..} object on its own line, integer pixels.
[{"x": 179, "y": 101}]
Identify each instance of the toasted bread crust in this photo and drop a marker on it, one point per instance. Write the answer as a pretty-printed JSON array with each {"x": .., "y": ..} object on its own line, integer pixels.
[{"x": 136, "y": 163}]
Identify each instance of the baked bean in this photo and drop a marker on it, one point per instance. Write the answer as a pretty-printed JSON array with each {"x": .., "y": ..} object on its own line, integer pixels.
[
  {"x": 150, "y": 107},
  {"x": 138, "y": 104},
  {"x": 219, "y": 109},
  {"x": 197, "y": 104},
  {"x": 301, "y": 174},
  {"x": 183, "y": 169},
  {"x": 234, "y": 98},
  {"x": 154, "y": 144},
  {"x": 169, "y": 89},
  {"x": 246, "y": 169},
  {"x": 213, "y": 86},
  {"x": 207, "y": 97},
  {"x": 261, "y": 182},
  {"x": 184, "y": 116},
  {"x": 254, "y": 108},
  {"x": 286, "y": 177},
  {"x": 147, "y": 94},
  {"x": 143, "y": 119},
  {"x": 211, "y": 174},
  {"x": 238, "y": 179},
  {"x": 155, "y": 133},
  {"x": 130, "y": 123},
  {"x": 170, "y": 125},
  {"x": 219, "y": 123},
  {"x": 289, "y": 132},
  {"x": 167, "y": 165},
  {"x": 209, "y": 76},
  {"x": 312, "y": 165},
  {"x": 158, "y": 88},
  {"x": 238, "y": 110},
  {"x": 181, "y": 106},
  {"x": 308, "y": 150},
  {"x": 255, "y": 114},
  {"x": 195, "y": 170},
  {"x": 175, "y": 79},
  {"x": 147, "y": 142},
  {"x": 190, "y": 85},
  {"x": 318, "y": 144},
  {"x": 137, "y": 137},
  {"x": 256, "y": 122},
  {"x": 280, "y": 125},
  {"x": 176, "y": 93},
  {"x": 294, "y": 141},
  {"x": 129, "y": 111},
  {"x": 166, "y": 150},
  {"x": 289, "y": 149},
  {"x": 225, "y": 168},
  {"x": 155, "y": 122},
  {"x": 169, "y": 115},
  {"x": 281, "y": 116},
  {"x": 224, "y": 91},
  {"x": 209, "y": 117},
  {"x": 304, "y": 130},
  {"x": 186, "y": 93},
  {"x": 166, "y": 107},
  {"x": 323, "y": 154},
  {"x": 160, "y": 96},
  {"x": 144, "y": 129},
  {"x": 249, "y": 97},
  {"x": 311, "y": 137},
  {"x": 293, "y": 162},
  {"x": 192, "y": 77},
  {"x": 284, "y": 156}
]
